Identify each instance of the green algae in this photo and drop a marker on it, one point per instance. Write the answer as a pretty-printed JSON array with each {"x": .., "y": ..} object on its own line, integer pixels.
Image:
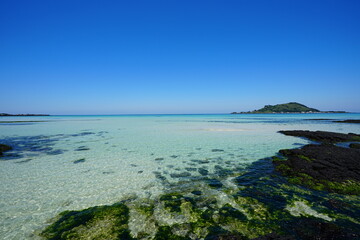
[
  {"x": 228, "y": 213},
  {"x": 253, "y": 208},
  {"x": 305, "y": 158},
  {"x": 356, "y": 139},
  {"x": 104, "y": 222},
  {"x": 249, "y": 218},
  {"x": 172, "y": 201},
  {"x": 278, "y": 159},
  {"x": 146, "y": 209},
  {"x": 165, "y": 233},
  {"x": 346, "y": 187},
  {"x": 350, "y": 187},
  {"x": 284, "y": 169},
  {"x": 202, "y": 217}
]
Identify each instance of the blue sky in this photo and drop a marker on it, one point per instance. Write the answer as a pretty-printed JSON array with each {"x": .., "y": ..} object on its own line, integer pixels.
[{"x": 119, "y": 57}]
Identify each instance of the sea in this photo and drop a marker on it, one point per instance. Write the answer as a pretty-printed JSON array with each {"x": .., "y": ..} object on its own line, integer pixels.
[{"x": 63, "y": 163}]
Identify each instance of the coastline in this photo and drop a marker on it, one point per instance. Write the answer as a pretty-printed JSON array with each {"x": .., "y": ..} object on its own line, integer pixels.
[{"x": 23, "y": 115}]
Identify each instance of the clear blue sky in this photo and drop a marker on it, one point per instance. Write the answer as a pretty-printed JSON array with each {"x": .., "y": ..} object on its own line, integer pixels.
[{"x": 185, "y": 56}]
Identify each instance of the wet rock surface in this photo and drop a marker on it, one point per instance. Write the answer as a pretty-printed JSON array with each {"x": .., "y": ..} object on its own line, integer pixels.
[
  {"x": 322, "y": 166},
  {"x": 312, "y": 228},
  {"x": 355, "y": 145},
  {"x": 322, "y": 136},
  {"x": 349, "y": 121},
  {"x": 328, "y": 162}
]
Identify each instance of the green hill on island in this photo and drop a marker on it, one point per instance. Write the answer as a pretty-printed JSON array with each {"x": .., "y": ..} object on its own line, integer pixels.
[{"x": 291, "y": 107}]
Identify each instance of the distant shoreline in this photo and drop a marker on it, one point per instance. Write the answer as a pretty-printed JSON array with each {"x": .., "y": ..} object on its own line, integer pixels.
[{"x": 21, "y": 115}]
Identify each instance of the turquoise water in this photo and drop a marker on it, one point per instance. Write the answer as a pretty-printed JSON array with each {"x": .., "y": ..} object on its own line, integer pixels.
[{"x": 73, "y": 162}]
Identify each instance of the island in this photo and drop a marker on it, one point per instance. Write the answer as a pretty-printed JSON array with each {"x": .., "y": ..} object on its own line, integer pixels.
[{"x": 291, "y": 107}]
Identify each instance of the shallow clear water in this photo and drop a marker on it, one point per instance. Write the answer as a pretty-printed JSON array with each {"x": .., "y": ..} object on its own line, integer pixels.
[{"x": 74, "y": 162}]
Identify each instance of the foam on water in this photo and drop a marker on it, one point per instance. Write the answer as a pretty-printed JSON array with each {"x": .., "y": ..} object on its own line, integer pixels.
[{"x": 75, "y": 162}]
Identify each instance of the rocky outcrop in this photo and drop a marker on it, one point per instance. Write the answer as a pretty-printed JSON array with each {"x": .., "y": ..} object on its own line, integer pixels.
[
  {"x": 4, "y": 148},
  {"x": 355, "y": 145},
  {"x": 349, "y": 121},
  {"x": 322, "y": 166},
  {"x": 322, "y": 136},
  {"x": 325, "y": 161}
]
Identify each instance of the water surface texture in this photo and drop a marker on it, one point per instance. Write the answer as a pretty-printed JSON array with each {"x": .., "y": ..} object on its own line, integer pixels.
[{"x": 74, "y": 162}]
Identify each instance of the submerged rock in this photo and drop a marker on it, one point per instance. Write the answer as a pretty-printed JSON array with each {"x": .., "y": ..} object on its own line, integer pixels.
[
  {"x": 104, "y": 222},
  {"x": 172, "y": 201},
  {"x": 196, "y": 192},
  {"x": 190, "y": 169},
  {"x": 24, "y": 161},
  {"x": 214, "y": 183},
  {"x": 55, "y": 152},
  {"x": 4, "y": 148},
  {"x": 82, "y": 148},
  {"x": 180, "y": 175},
  {"x": 79, "y": 161},
  {"x": 203, "y": 171},
  {"x": 217, "y": 150}
]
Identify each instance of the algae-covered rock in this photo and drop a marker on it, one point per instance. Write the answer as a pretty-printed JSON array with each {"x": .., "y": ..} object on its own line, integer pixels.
[
  {"x": 104, "y": 222},
  {"x": 165, "y": 233},
  {"x": 355, "y": 145},
  {"x": 142, "y": 224},
  {"x": 315, "y": 228},
  {"x": 328, "y": 162},
  {"x": 172, "y": 201},
  {"x": 322, "y": 166}
]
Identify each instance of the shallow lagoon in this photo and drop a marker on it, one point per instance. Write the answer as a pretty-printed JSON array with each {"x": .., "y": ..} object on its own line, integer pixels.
[{"x": 75, "y": 162}]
